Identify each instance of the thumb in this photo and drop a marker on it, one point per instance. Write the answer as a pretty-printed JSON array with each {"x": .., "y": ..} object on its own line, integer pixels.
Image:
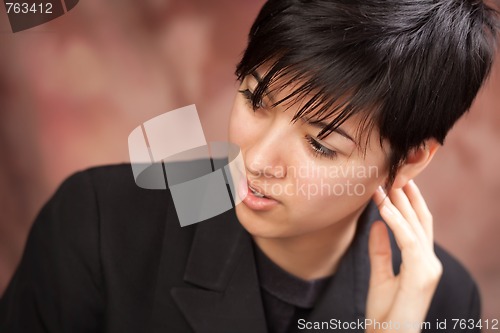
[{"x": 379, "y": 248}]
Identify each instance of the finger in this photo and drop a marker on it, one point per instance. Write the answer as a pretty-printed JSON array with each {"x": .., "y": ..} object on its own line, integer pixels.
[
  {"x": 404, "y": 234},
  {"x": 379, "y": 197},
  {"x": 418, "y": 202},
  {"x": 402, "y": 203},
  {"x": 379, "y": 249}
]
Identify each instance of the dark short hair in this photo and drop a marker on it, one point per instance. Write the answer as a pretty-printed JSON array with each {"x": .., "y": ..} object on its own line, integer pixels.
[{"x": 410, "y": 67}]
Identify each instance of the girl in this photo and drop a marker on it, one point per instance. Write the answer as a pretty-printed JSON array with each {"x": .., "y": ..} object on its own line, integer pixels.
[{"x": 341, "y": 104}]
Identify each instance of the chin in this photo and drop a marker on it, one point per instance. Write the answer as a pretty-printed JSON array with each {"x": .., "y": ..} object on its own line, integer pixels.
[{"x": 258, "y": 225}]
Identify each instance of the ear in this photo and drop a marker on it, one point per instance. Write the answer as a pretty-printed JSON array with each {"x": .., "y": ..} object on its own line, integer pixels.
[{"x": 416, "y": 161}]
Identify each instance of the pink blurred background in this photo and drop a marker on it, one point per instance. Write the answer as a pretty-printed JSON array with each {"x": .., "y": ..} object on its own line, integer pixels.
[{"x": 73, "y": 89}]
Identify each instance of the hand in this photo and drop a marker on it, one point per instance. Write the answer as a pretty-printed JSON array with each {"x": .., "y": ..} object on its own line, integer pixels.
[{"x": 406, "y": 297}]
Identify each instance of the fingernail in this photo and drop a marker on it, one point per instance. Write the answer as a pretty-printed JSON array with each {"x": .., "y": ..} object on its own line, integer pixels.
[
  {"x": 381, "y": 190},
  {"x": 411, "y": 182}
]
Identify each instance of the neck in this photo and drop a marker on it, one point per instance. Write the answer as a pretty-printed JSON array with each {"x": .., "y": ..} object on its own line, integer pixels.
[{"x": 313, "y": 255}]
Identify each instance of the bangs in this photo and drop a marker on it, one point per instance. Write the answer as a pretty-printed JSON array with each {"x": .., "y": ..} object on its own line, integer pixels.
[{"x": 321, "y": 98}]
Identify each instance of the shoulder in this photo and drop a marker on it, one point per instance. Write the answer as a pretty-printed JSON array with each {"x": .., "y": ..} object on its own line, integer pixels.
[
  {"x": 102, "y": 215},
  {"x": 108, "y": 183},
  {"x": 102, "y": 206},
  {"x": 112, "y": 192},
  {"x": 112, "y": 183},
  {"x": 127, "y": 216}
]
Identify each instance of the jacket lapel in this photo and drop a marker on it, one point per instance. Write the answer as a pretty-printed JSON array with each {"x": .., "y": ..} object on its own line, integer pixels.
[{"x": 225, "y": 294}]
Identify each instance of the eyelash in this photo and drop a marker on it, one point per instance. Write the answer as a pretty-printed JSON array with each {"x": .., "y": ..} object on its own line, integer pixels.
[
  {"x": 249, "y": 96},
  {"x": 318, "y": 150}
]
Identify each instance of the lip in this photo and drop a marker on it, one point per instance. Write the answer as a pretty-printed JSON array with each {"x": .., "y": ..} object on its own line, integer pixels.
[
  {"x": 256, "y": 203},
  {"x": 258, "y": 189}
]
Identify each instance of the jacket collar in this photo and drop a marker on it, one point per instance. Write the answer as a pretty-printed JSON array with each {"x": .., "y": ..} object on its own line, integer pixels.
[{"x": 225, "y": 296}]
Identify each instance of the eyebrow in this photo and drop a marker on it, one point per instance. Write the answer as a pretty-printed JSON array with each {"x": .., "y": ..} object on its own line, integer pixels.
[
  {"x": 321, "y": 125},
  {"x": 316, "y": 123},
  {"x": 257, "y": 76}
]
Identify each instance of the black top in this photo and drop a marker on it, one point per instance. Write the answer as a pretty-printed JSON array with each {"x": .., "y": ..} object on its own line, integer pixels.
[
  {"x": 106, "y": 256},
  {"x": 286, "y": 297}
]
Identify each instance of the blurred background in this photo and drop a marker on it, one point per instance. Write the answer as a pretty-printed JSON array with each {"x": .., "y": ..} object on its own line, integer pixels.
[{"x": 73, "y": 89}]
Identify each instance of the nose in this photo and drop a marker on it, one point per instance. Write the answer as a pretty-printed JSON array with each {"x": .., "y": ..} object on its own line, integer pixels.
[{"x": 266, "y": 157}]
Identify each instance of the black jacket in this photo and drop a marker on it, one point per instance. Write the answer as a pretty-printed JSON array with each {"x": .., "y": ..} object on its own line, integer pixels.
[{"x": 107, "y": 256}]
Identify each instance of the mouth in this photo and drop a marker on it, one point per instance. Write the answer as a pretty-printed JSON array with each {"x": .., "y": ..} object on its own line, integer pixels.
[
  {"x": 256, "y": 192},
  {"x": 257, "y": 200},
  {"x": 259, "y": 193}
]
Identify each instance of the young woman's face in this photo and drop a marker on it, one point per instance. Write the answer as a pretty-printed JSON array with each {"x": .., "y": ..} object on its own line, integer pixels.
[{"x": 309, "y": 184}]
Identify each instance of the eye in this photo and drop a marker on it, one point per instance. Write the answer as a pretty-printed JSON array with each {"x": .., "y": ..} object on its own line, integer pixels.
[
  {"x": 319, "y": 150},
  {"x": 250, "y": 97}
]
